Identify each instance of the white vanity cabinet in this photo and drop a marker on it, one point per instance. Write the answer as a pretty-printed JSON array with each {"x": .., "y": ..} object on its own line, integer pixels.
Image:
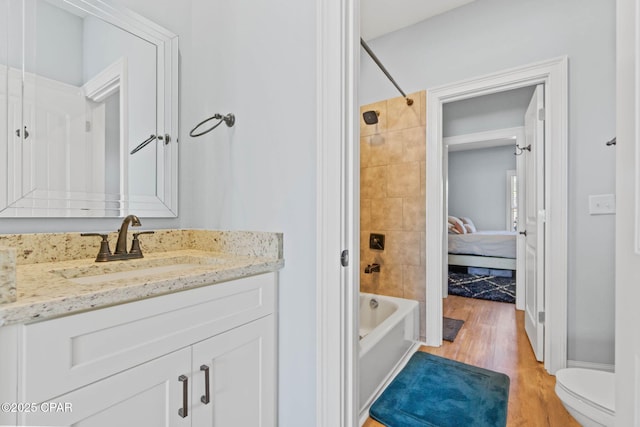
[{"x": 146, "y": 363}]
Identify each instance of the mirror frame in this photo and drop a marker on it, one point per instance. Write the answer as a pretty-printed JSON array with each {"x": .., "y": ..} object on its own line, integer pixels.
[{"x": 165, "y": 202}]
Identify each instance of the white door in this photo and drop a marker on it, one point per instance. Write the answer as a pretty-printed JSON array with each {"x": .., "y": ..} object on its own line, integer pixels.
[
  {"x": 57, "y": 154},
  {"x": 149, "y": 395},
  {"x": 240, "y": 368},
  {"x": 534, "y": 224}
]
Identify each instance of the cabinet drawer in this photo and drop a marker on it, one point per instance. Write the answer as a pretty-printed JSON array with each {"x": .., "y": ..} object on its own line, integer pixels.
[{"x": 62, "y": 354}]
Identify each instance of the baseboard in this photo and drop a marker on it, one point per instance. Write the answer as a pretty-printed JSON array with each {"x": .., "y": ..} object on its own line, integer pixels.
[
  {"x": 590, "y": 365},
  {"x": 364, "y": 413}
]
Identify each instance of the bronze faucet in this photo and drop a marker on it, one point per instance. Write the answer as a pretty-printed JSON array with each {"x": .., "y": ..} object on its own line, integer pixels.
[{"x": 121, "y": 246}]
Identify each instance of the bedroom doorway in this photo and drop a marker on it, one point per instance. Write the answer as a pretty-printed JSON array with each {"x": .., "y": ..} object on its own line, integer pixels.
[
  {"x": 494, "y": 194},
  {"x": 550, "y": 308},
  {"x": 483, "y": 193}
]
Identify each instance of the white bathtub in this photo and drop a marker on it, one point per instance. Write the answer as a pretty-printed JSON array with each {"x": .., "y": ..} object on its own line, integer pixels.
[{"x": 388, "y": 335}]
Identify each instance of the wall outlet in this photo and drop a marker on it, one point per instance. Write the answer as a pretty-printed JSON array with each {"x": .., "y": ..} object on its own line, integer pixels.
[{"x": 602, "y": 204}]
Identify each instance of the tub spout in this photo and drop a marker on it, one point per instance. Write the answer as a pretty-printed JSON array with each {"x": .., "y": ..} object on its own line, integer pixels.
[{"x": 372, "y": 268}]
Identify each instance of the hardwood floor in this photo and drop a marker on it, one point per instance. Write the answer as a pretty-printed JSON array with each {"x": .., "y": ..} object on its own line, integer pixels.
[{"x": 493, "y": 337}]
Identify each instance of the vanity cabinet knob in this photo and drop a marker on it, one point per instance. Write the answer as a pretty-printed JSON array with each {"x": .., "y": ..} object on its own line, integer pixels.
[
  {"x": 206, "y": 398},
  {"x": 184, "y": 411}
]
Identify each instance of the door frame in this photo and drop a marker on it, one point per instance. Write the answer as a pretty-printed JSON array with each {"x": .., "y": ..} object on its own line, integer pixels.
[
  {"x": 337, "y": 222},
  {"x": 627, "y": 341},
  {"x": 554, "y": 74}
]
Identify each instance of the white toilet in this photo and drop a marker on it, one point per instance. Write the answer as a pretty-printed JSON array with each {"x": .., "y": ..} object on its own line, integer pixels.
[{"x": 588, "y": 395}]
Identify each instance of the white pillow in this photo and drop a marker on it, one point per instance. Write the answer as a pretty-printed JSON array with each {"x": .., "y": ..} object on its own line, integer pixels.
[{"x": 468, "y": 224}]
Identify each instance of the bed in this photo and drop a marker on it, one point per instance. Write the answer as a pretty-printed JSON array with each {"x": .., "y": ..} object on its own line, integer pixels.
[{"x": 487, "y": 249}]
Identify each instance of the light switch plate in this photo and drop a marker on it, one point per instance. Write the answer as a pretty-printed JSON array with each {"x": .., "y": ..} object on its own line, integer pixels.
[{"x": 602, "y": 204}]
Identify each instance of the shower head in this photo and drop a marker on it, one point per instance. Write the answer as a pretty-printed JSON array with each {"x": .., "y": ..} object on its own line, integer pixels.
[{"x": 370, "y": 117}]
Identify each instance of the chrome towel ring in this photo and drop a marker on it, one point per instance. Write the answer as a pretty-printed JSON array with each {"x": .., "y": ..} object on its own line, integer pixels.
[{"x": 229, "y": 119}]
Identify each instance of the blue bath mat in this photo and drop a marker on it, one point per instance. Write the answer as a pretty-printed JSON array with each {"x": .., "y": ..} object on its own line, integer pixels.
[{"x": 437, "y": 392}]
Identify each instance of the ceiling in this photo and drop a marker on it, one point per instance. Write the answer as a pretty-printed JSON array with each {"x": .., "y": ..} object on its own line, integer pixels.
[{"x": 379, "y": 17}]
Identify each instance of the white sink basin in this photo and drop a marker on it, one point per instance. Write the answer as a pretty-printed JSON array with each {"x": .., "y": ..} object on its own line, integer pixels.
[
  {"x": 101, "y": 272},
  {"x": 132, "y": 274}
]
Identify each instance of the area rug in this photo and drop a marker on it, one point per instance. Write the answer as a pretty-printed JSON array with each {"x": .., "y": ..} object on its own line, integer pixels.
[
  {"x": 450, "y": 328},
  {"x": 493, "y": 288},
  {"x": 438, "y": 392}
]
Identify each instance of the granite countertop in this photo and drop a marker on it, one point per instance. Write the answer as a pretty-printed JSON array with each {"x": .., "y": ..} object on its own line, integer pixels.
[{"x": 49, "y": 289}]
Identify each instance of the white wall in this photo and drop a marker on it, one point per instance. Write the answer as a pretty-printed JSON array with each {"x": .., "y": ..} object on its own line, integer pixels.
[
  {"x": 478, "y": 185},
  {"x": 257, "y": 60},
  {"x": 489, "y": 112},
  {"x": 491, "y": 35},
  {"x": 57, "y": 44}
]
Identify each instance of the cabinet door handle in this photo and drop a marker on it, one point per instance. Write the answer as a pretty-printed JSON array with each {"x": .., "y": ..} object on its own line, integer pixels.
[
  {"x": 206, "y": 398},
  {"x": 184, "y": 411}
]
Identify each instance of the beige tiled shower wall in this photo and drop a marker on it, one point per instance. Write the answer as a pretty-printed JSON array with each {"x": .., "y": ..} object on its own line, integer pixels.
[{"x": 392, "y": 199}]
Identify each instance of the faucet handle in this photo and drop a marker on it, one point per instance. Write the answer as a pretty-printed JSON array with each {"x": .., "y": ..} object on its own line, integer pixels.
[
  {"x": 372, "y": 268},
  {"x": 104, "y": 253},
  {"x": 135, "y": 243}
]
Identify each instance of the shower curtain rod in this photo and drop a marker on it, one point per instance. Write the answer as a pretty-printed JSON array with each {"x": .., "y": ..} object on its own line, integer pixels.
[{"x": 384, "y": 70}]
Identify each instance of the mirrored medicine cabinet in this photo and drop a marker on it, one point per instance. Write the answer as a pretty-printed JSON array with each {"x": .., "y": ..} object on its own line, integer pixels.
[{"x": 88, "y": 111}]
